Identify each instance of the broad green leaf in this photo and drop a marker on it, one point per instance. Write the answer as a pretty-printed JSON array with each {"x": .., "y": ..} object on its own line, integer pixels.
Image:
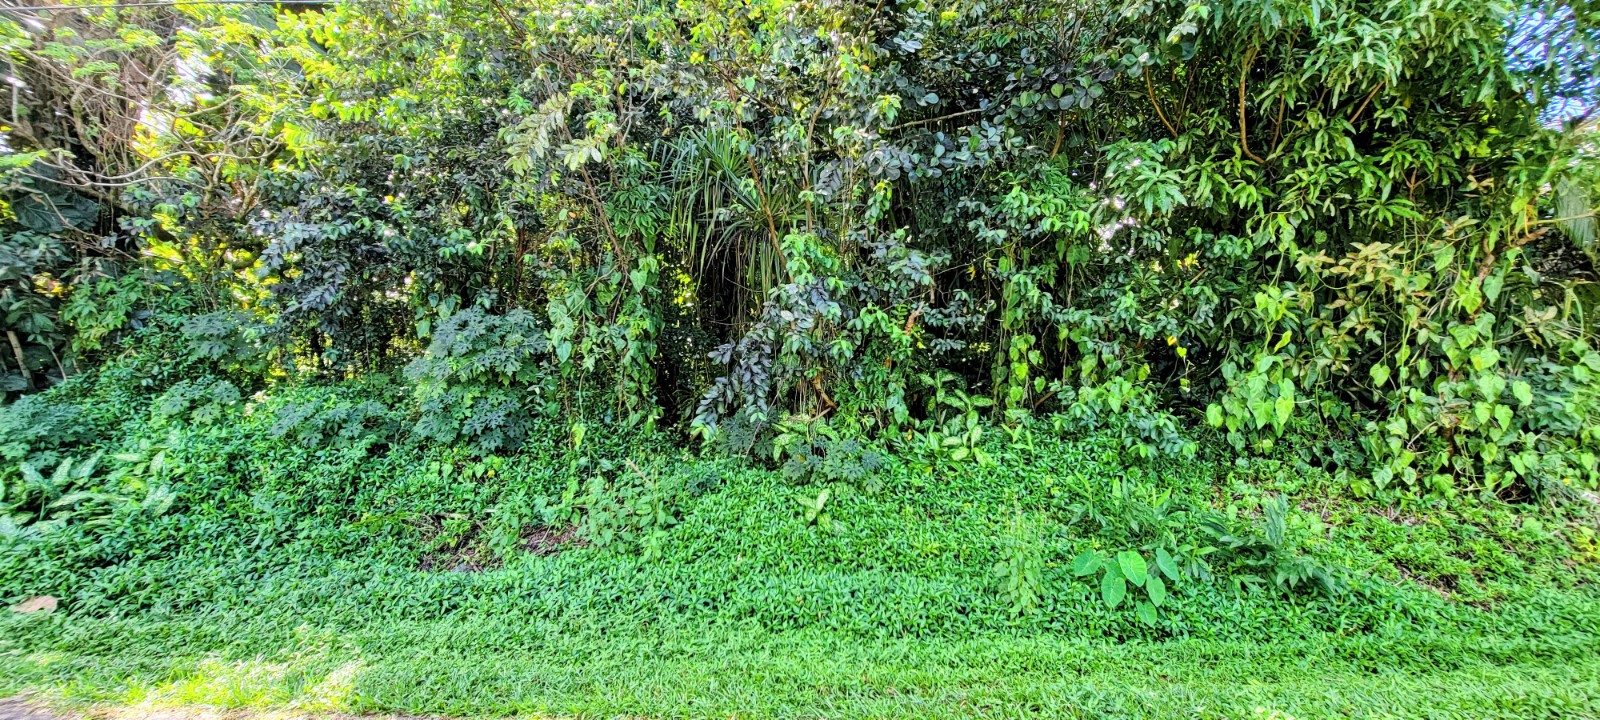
[
  {"x": 1112, "y": 589},
  {"x": 1284, "y": 406},
  {"x": 1087, "y": 563},
  {"x": 1522, "y": 391},
  {"x": 1491, "y": 385},
  {"x": 1156, "y": 589},
  {"x": 1133, "y": 566},
  {"x": 1468, "y": 295},
  {"x": 1261, "y": 412},
  {"x": 1443, "y": 257},
  {"x": 1167, "y": 564},
  {"x": 1147, "y": 613},
  {"x": 1492, "y": 285}
]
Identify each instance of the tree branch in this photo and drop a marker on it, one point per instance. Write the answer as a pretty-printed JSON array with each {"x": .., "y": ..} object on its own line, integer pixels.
[
  {"x": 1244, "y": 132},
  {"x": 1151, "y": 88},
  {"x": 925, "y": 121},
  {"x": 1370, "y": 95}
]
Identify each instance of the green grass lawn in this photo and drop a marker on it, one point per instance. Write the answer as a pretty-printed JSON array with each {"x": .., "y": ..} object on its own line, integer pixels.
[{"x": 465, "y": 665}]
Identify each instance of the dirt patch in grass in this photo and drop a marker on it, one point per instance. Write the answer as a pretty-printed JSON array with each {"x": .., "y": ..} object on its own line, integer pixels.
[
  {"x": 1443, "y": 585},
  {"x": 544, "y": 541},
  {"x": 461, "y": 545}
]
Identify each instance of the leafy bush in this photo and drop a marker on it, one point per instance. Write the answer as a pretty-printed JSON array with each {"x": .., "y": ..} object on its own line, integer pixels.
[
  {"x": 1129, "y": 567},
  {"x": 1187, "y": 211},
  {"x": 201, "y": 402},
  {"x": 108, "y": 309},
  {"x": 617, "y": 505},
  {"x": 1129, "y": 407},
  {"x": 37, "y": 504},
  {"x": 232, "y": 342},
  {"x": 1270, "y": 553},
  {"x": 1021, "y": 567},
  {"x": 27, "y": 311},
  {"x": 481, "y": 379},
  {"x": 815, "y": 452},
  {"x": 39, "y": 424},
  {"x": 319, "y": 422}
]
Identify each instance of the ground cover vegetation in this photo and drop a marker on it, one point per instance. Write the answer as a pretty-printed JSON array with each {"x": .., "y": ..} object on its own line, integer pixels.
[{"x": 772, "y": 358}]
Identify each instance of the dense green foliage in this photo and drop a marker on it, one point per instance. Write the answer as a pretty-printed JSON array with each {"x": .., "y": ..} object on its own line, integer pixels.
[
  {"x": 1063, "y": 357},
  {"x": 301, "y": 548},
  {"x": 1369, "y": 216}
]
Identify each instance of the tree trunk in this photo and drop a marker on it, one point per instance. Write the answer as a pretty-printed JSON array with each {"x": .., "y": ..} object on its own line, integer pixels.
[{"x": 22, "y": 362}]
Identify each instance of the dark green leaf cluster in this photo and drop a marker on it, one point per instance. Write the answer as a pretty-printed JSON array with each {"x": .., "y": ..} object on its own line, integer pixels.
[{"x": 481, "y": 379}]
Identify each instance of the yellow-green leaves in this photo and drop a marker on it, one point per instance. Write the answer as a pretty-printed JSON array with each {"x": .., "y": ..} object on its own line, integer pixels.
[
  {"x": 1468, "y": 295},
  {"x": 1522, "y": 391}
]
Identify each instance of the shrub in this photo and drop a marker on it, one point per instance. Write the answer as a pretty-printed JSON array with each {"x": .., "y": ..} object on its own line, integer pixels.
[
  {"x": 481, "y": 379},
  {"x": 39, "y": 424}
]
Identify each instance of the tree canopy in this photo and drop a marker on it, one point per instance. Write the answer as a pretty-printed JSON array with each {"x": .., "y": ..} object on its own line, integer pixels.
[{"x": 1370, "y": 218}]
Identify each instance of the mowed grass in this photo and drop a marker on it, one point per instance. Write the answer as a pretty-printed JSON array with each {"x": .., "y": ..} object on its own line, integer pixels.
[{"x": 479, "y": 666}]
